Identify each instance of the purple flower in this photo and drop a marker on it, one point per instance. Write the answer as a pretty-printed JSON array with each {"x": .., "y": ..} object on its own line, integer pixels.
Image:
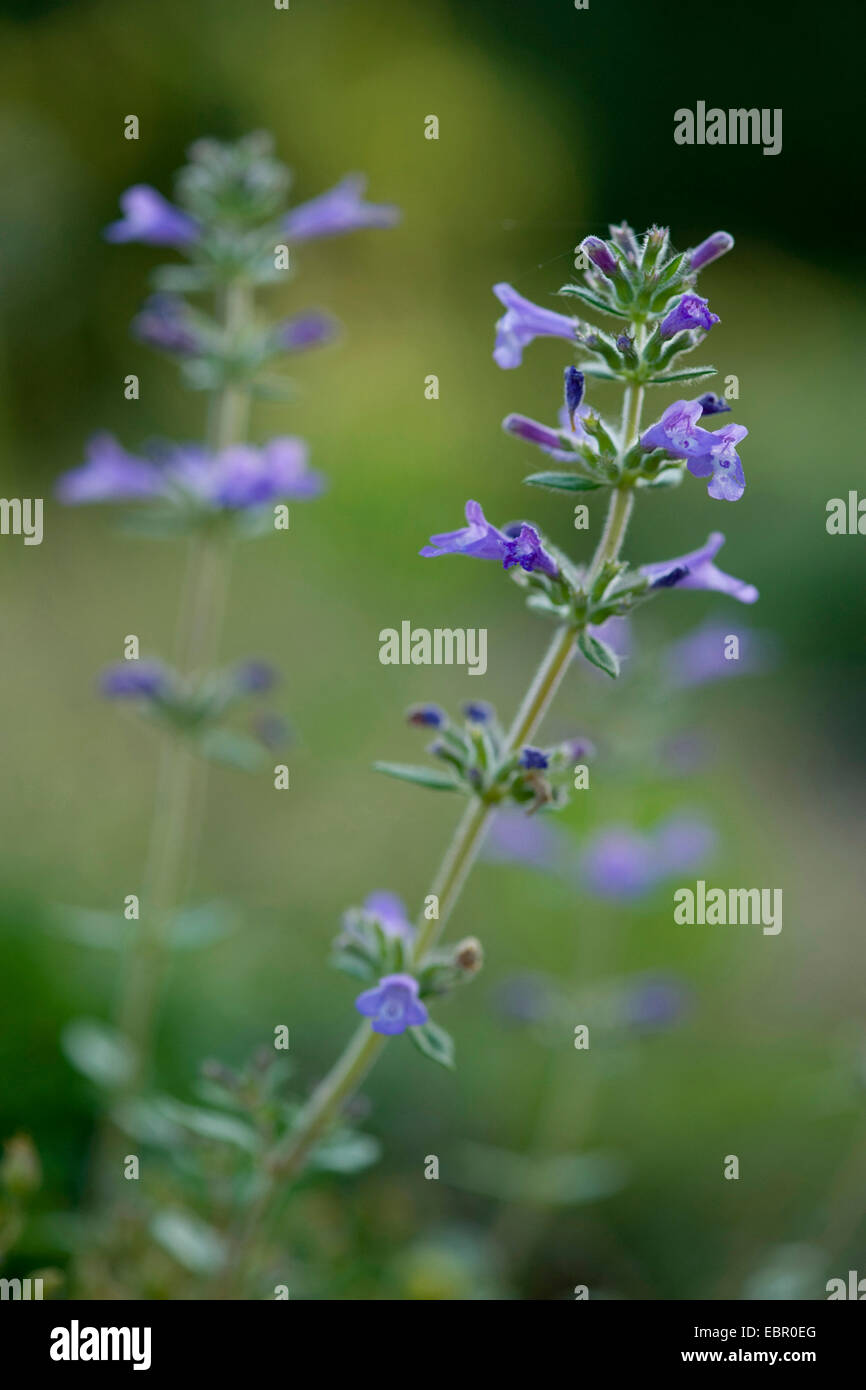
[
  {"x": 393, "y": 1005},
  {"x": 600, "y": 254},
  {"x": 109, "y": 474},
  {"x": 622, "y": 863},
  {"x": 522, "y": 322},
  {"x": 341, "y": 209},
  {"x": 654, "y": 1001},
  {"x": 143, "y": 680},
  {"x": 150, "y": 218},
  {"x": 304, "y": 331},
  {"x": 699, "y": 657},
  {"x": 534, "y": 433},
  {"x": 486, "y": 542},
  {"x": 721, "y": 463},
  {"x": 711, "y": 404},
  {"x": 618, "y": 862},
  {"x": 690, "y": 311},
  {"x": 253, "y": 677},
  {"x": 479, "y": 712},
  {"x": 391, "y": 913},
  {"x": 164, "y": 323},
  {"x": 574, "y": 384},
  {"x": 533, "y": 758},
  {"x": 239, "y": 477},
  {"x": 517, "y": 838},
  {"x": 709, "y": 454},
  {"x": 525, "y": 549},
  {"x": 245, "y": 476},
  {"x": 697, "y": 571},
  {"x": 427, "y": 716},
  {"x": 710, "y": 249}
]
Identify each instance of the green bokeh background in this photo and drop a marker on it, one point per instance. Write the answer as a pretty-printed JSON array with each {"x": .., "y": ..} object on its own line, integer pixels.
[{"x": 552, "y": 123}]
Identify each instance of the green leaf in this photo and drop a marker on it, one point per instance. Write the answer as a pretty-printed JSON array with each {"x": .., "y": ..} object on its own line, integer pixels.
[
  {"x": 202, "y": 924},
  {"x": 354, "y": 964},
  {"x": 346, "y": 1151},
  {"x": 422, "y": 776},
  {"x": 433, "y": 1042},
  {"x": 563, "y": 482},
  {"x": 232, "y": 749},
  {"x": 194, "y": 1244},
  {"x": 90, "y": 926},
  {"x": 98, "y": 1052},
  {"x": 668, "y": 477},
  {"x": 687, "y": 374},
  {"x": 589, "y": 298},
  {"x": 208, "y": 1124},
  {"x": 599, "y": 653}
]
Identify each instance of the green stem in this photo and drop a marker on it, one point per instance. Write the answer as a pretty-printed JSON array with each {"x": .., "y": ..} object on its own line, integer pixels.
[
  {"x": 288, "y": 1158},
  {"x": 181, "y": 776}
]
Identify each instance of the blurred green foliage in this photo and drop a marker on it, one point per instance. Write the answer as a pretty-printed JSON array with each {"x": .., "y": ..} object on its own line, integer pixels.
[{"x": 542, "y": 141}]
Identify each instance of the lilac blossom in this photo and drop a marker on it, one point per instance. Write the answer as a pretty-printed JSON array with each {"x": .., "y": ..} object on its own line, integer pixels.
[
  {"x": 697, "y": 571},
  {"x": 109, "y": 474},
  {"x": 254, "y": 677},
  {"x": 164, "y": 323},
  {"x": 307, "y": 330},
  {"x": 523, "y": 321},
  {"x": 393, "y": 1005},
  {"x": 534, "y": 758},
  {"x": 144, "y": 680},
  {"x": 150, "y": 218},
  {"x": 479, "y": 712},
  {"x": 341, "y": 209},
  {"x": 391, "y": 913},
  {"x": 652, "y": 1002},
  {"x": 622, "y": 863},
  {"x": 487, "y": 542},
  {"x": 690, "y": 311},
  {"x": 699, "y": 657},
  {"x": 708, "y": 453},
  {"x": 710, "y": 249},
  {"x": 239, "y": 477}
]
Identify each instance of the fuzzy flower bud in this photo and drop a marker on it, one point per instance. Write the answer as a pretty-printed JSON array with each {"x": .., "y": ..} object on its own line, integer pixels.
[
  {"x": 600, "y": 254},
  {"x": 710, "y": 249}
]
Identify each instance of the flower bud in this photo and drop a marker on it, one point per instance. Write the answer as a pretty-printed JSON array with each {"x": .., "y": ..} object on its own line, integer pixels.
[
  {"x": 710, "y": 249},
  {"x": 469, "y": 955},
  {"x": 600, "y": 254},
  {"x": 427, "y": 716},
  {"x": 574, "y": 385},
  {"x": 711, "y": 404}
]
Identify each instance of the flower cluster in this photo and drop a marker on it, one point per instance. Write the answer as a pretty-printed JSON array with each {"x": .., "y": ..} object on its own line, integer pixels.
[
  {"x": 376, "y": 945},
  {"x": 479, "y": 761},
  {"x": 197, "y": 707},
  {"x": 192, "y": 482},
  {"x": 230, "y": 225},
  {"x": 653, "y": 287}
]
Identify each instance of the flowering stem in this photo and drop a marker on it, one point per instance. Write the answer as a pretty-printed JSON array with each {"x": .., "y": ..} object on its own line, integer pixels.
[
  {"x": 181, "y": 775},
  {"x": 287, "y": 1159}
]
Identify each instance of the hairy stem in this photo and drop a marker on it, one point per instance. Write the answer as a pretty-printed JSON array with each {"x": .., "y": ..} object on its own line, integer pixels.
[{"x": 288, "y": 1158}]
